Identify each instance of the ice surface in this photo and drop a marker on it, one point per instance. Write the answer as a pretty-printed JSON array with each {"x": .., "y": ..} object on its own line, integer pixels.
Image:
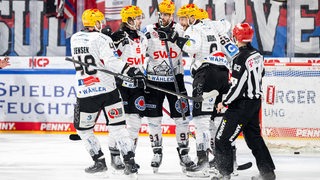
[{"x": 55, "y": 157}]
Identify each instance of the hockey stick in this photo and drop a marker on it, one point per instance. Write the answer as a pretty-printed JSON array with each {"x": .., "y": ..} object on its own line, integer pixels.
[
  {"x": 130, "y": 79},
  {"x": 244, "y": 166},
  {"x": 176, "y": 87},
  {"x": 74, "y": 137}
]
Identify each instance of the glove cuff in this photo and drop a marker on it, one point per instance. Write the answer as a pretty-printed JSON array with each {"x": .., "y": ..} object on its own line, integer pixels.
[{"x": 181, "y": 41}]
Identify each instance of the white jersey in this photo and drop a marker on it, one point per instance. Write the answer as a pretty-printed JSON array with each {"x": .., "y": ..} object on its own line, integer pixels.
[
  {"x": 158, "y": 63},
  {"x": 96, "y": 49},
  {"x": 134, "y": 51},
  {"x": 210, "y": 43}
]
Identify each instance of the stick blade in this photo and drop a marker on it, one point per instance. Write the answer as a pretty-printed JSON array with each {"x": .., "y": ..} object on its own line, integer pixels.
[
  {"x": 74, "y": 137},
  {"x": 244, "y": 166},
  {"x": 212, "y": 94}
]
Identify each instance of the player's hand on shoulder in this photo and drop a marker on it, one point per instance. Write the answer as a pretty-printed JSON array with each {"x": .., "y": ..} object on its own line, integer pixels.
[
  {"x": 107, "y": 30},
  {"x": 119, "y": 37}
]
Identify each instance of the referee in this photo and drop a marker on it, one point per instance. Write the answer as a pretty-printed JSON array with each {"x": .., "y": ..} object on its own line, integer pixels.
[{"x": 244, "y": 102}]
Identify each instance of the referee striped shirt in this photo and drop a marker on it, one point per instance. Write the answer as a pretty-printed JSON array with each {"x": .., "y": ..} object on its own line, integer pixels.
[{"x": 247, "y": 73}]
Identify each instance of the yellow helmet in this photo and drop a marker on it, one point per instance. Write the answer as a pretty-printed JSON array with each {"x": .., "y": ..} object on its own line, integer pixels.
[
  {"x": 130, "y": 11},
  {"x": 193, "y": 10},
  {"x": 203, "y": 14},
  {"x": 167, "y": 6},
  {"x": 91, "y": 16},
  {"x": 182, "y": 12}
]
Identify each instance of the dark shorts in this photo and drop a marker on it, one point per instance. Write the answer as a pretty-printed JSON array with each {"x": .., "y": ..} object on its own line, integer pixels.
[
  {"x": 209, "y": 77},
  {"x": 91, "y": 107},
  {"x": 155, "y": 99},
  {"x": 133, "y": 100}
]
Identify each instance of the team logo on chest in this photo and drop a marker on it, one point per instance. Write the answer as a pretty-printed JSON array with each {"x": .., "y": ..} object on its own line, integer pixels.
[
  {"x": 140, "y": 103},
  {"x": 184, "y": 104}
]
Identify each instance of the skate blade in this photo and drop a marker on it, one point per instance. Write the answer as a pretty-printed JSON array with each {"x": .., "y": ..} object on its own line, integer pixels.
[
  {"x": 213, "y": 171},
  {"x": 103, "y": 174},
  {"x": 155, "y": 170},
  {"x": 235, "y": 173},
  {"x": 201, "y": 174},
  {"x": 184, "y": 169},
  {"x": 133, "y": 176},
  {"x": 117, "y": 171}
]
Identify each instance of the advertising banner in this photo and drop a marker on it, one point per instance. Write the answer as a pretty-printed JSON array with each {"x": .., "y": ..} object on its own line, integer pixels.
[
  {"x": 36, "y": 28},
  {"x": 291, "y": 101}
]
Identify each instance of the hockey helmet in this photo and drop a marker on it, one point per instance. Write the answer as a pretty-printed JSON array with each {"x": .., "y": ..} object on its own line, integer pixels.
[
  {"x": 130, "y": 12},
  {"x": 243, "y": 32},
  {"x": 91, "y": 16},
  {"x": 193, "y": 10},
  {"x": 182, "y": 12},
  {"x": 203, "y": 14},
  {"x": 167, "y": 6}
]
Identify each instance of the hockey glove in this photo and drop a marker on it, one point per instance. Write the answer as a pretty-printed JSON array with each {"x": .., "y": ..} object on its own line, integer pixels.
[
  {"x": 138, "y": 76},
  {"x": 106, "y": 30},
  {"x": 118, "y": 37},
  {"x": 171, "y": 36}
]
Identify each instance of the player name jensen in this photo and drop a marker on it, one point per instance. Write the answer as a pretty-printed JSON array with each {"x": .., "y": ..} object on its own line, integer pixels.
[{"x": 81, "y": 50}]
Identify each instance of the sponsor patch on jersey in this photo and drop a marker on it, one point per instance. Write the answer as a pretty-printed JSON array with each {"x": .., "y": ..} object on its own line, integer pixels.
[
  {"x": 144, "y": 30},
  {"x": 88, "y": 81},
  {"x": 184, "y": 103},
  {"x": 93, "y": 90},
  {"x": 115, "y": 112},
  {"x": 151, "y": 106},
  {"x": 115, "y": 53},
  {"x": 89, "y": 117},
  {"x": 231, "y": 49},
  {"x": 140, "y": 103}
]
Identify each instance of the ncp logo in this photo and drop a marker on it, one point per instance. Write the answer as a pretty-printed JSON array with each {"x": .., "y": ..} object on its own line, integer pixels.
[{"x": 38, "y": 62}]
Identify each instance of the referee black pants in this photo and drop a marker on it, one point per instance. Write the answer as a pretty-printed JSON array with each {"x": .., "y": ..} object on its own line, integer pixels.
[{"x": 242, "y": 116}]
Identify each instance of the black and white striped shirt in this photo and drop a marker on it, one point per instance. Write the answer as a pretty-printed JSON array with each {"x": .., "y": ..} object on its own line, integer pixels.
[{"x": 247, "y": 73}]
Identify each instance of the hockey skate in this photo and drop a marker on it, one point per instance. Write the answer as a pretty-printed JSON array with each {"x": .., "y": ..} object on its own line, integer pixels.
[
  {"x": 99, "y": 166},
  {"x": 157, "y": 159},
  {"x": 213, "y": 167},
  {"x": 265, "y": 176},
  {"x": 130, "y": 165},
  {"x": 220, "y": 177},
  {"x": 201, "y": 169},
  {"x": 117, "y": 164},
  {"x": 185, "y": 160}
]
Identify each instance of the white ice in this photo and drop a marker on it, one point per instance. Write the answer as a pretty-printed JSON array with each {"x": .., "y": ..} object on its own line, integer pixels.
[{"x": 55, "y": 157}]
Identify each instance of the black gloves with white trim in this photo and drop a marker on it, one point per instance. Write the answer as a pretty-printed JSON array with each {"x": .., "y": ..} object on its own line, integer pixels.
[
  {"x": 169, "y": 34},
  {"x": 139, "y": 79}
]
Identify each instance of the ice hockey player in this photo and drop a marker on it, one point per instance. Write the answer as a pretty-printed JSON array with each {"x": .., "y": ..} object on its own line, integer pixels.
[
  {"x": 244, "y": 103},
  {"x": 212, "y": 50},
  {"x": 223, "y": 27},
  {"x": 96, "y": 91},
  {"x": 160, "y": 73},
  {"x": 132, "y": 46}
]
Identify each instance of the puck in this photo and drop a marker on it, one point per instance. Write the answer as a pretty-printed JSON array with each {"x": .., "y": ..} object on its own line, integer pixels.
[{"x": 296, "y": 152}]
